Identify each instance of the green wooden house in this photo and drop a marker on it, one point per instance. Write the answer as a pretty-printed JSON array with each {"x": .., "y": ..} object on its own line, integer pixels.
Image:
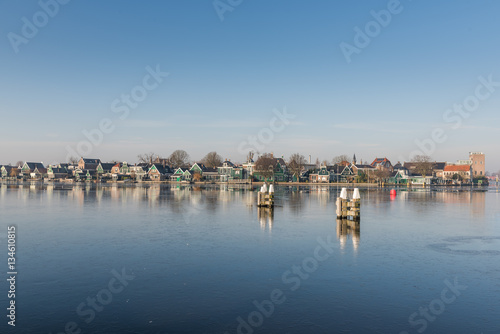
[{"x": 279, "y": 172}]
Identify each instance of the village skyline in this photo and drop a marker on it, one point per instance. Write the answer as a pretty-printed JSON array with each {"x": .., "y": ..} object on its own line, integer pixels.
[{"x": 150, "y": 157}]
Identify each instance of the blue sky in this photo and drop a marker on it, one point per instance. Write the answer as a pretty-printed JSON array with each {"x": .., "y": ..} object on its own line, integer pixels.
[{"x": 227, "y": 76}]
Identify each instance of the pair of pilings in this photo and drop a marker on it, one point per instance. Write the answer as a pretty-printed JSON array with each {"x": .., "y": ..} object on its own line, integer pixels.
[
  {"x": 349, "y": 208},
  {"x": 265, "y": 199}
]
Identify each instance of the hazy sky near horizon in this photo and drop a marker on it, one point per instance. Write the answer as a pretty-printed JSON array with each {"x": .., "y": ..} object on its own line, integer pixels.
[{"x": 68, "y": 69}]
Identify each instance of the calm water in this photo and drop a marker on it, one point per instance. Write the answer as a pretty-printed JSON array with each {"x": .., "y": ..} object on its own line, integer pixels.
[{"x": 206, "y": 260}]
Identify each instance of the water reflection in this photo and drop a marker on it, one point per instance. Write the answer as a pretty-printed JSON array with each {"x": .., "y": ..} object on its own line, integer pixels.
[
  {"x": 266, "y": 218},
  {"x": 348, "y": 229}
]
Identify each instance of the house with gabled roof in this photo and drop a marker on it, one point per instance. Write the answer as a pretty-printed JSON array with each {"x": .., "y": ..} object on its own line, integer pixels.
[
  {"x": 383, "y": 164},
  {"x": 464, "y": 171},
  {"x": 104, "y": 167},
  {"x": 280, "y": 173},
  {"x": 57, "y": 172},
  {"x": 320, "y": 176},
  {"x": 140, "y": 170},
  {"x": 33, "y": 169},
  {"x": 116, "y": 169},
  {"x": 229, "y": 171},
  {"x": 158, "y": 172},
  {"x": 6, "y": 171},
  {"x": 87, "y": 163},
  {"x": 177, "y": 175}
]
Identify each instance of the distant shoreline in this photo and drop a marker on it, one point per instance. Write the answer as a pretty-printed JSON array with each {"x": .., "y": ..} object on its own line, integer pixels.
[{"x": 247, "y": 184}]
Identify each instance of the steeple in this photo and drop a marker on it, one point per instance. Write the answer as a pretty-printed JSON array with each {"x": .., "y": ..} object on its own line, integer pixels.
[{"x": 354, "y": 159}]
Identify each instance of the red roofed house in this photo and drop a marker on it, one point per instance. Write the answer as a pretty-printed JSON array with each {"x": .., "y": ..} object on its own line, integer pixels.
[
  {"x": 382, "y": 164},
  {"x": 463, "y": 170}
]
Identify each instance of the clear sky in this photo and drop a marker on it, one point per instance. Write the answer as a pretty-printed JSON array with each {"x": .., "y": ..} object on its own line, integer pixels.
[{"x": 67, "y": 68}]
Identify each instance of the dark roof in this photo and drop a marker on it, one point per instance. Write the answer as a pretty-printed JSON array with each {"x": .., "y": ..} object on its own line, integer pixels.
[
  {"x": 384, "y": 162},
  {"x": 107, "y": 165},
  {"x": 337, "y": 168},
  {"x": 439, "y": 165},
  {"x": 161, "y": 169},
  {"x": 210, "y": 170},
  {"x": 398, "y": 166},
  {"x": 91, "y": 161},
  {"x": 33, "y": 165},
  {"x": 8, "y": 167},
  {"x": 229, "y": 163},
  {"x": 58, "y": 170},
  {"x": 364, "y": 166},
  {"x": 435, "y": 165}
]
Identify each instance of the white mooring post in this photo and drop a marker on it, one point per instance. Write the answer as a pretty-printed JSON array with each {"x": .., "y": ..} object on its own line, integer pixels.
[
  {"x": 348, "y": 209},
  {"x": 265, "y": 199}
]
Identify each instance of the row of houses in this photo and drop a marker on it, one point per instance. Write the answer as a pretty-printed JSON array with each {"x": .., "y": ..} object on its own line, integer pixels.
[
  {"x": 93, "y": 169},
  {"x": 380, "y": 170}
]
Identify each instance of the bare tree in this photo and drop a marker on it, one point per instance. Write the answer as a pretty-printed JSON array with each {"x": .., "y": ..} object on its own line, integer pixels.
[
  {"x": 19, "y": 164},
  {"x": 381, "y": 174},
  {"x": 146, "y": 157},
  {"x": 340, "y": 158},
  {"x": 317, "y": 163},
  {"x": 73, "y": 160},
  {"x": 296, "y": 163},
  {"x": 212, "y": 160},
  {"x": 265, "y": 165},
  {"x": 14, "y": 172},
  {"x": 423, "y": 165},
  {"x": 197, "y": 177},
  {"x": 179, "y": 158}
]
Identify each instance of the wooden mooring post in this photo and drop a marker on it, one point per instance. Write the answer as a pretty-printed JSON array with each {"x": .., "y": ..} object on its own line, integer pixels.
[
  {"x": 349, "y": 209},
  {"x": 264, "y": 198}
]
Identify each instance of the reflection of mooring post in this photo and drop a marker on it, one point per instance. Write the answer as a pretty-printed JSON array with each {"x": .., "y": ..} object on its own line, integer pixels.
[
  {"x": 349, "y": 209},
  {"x": 264, "y": 198}
]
